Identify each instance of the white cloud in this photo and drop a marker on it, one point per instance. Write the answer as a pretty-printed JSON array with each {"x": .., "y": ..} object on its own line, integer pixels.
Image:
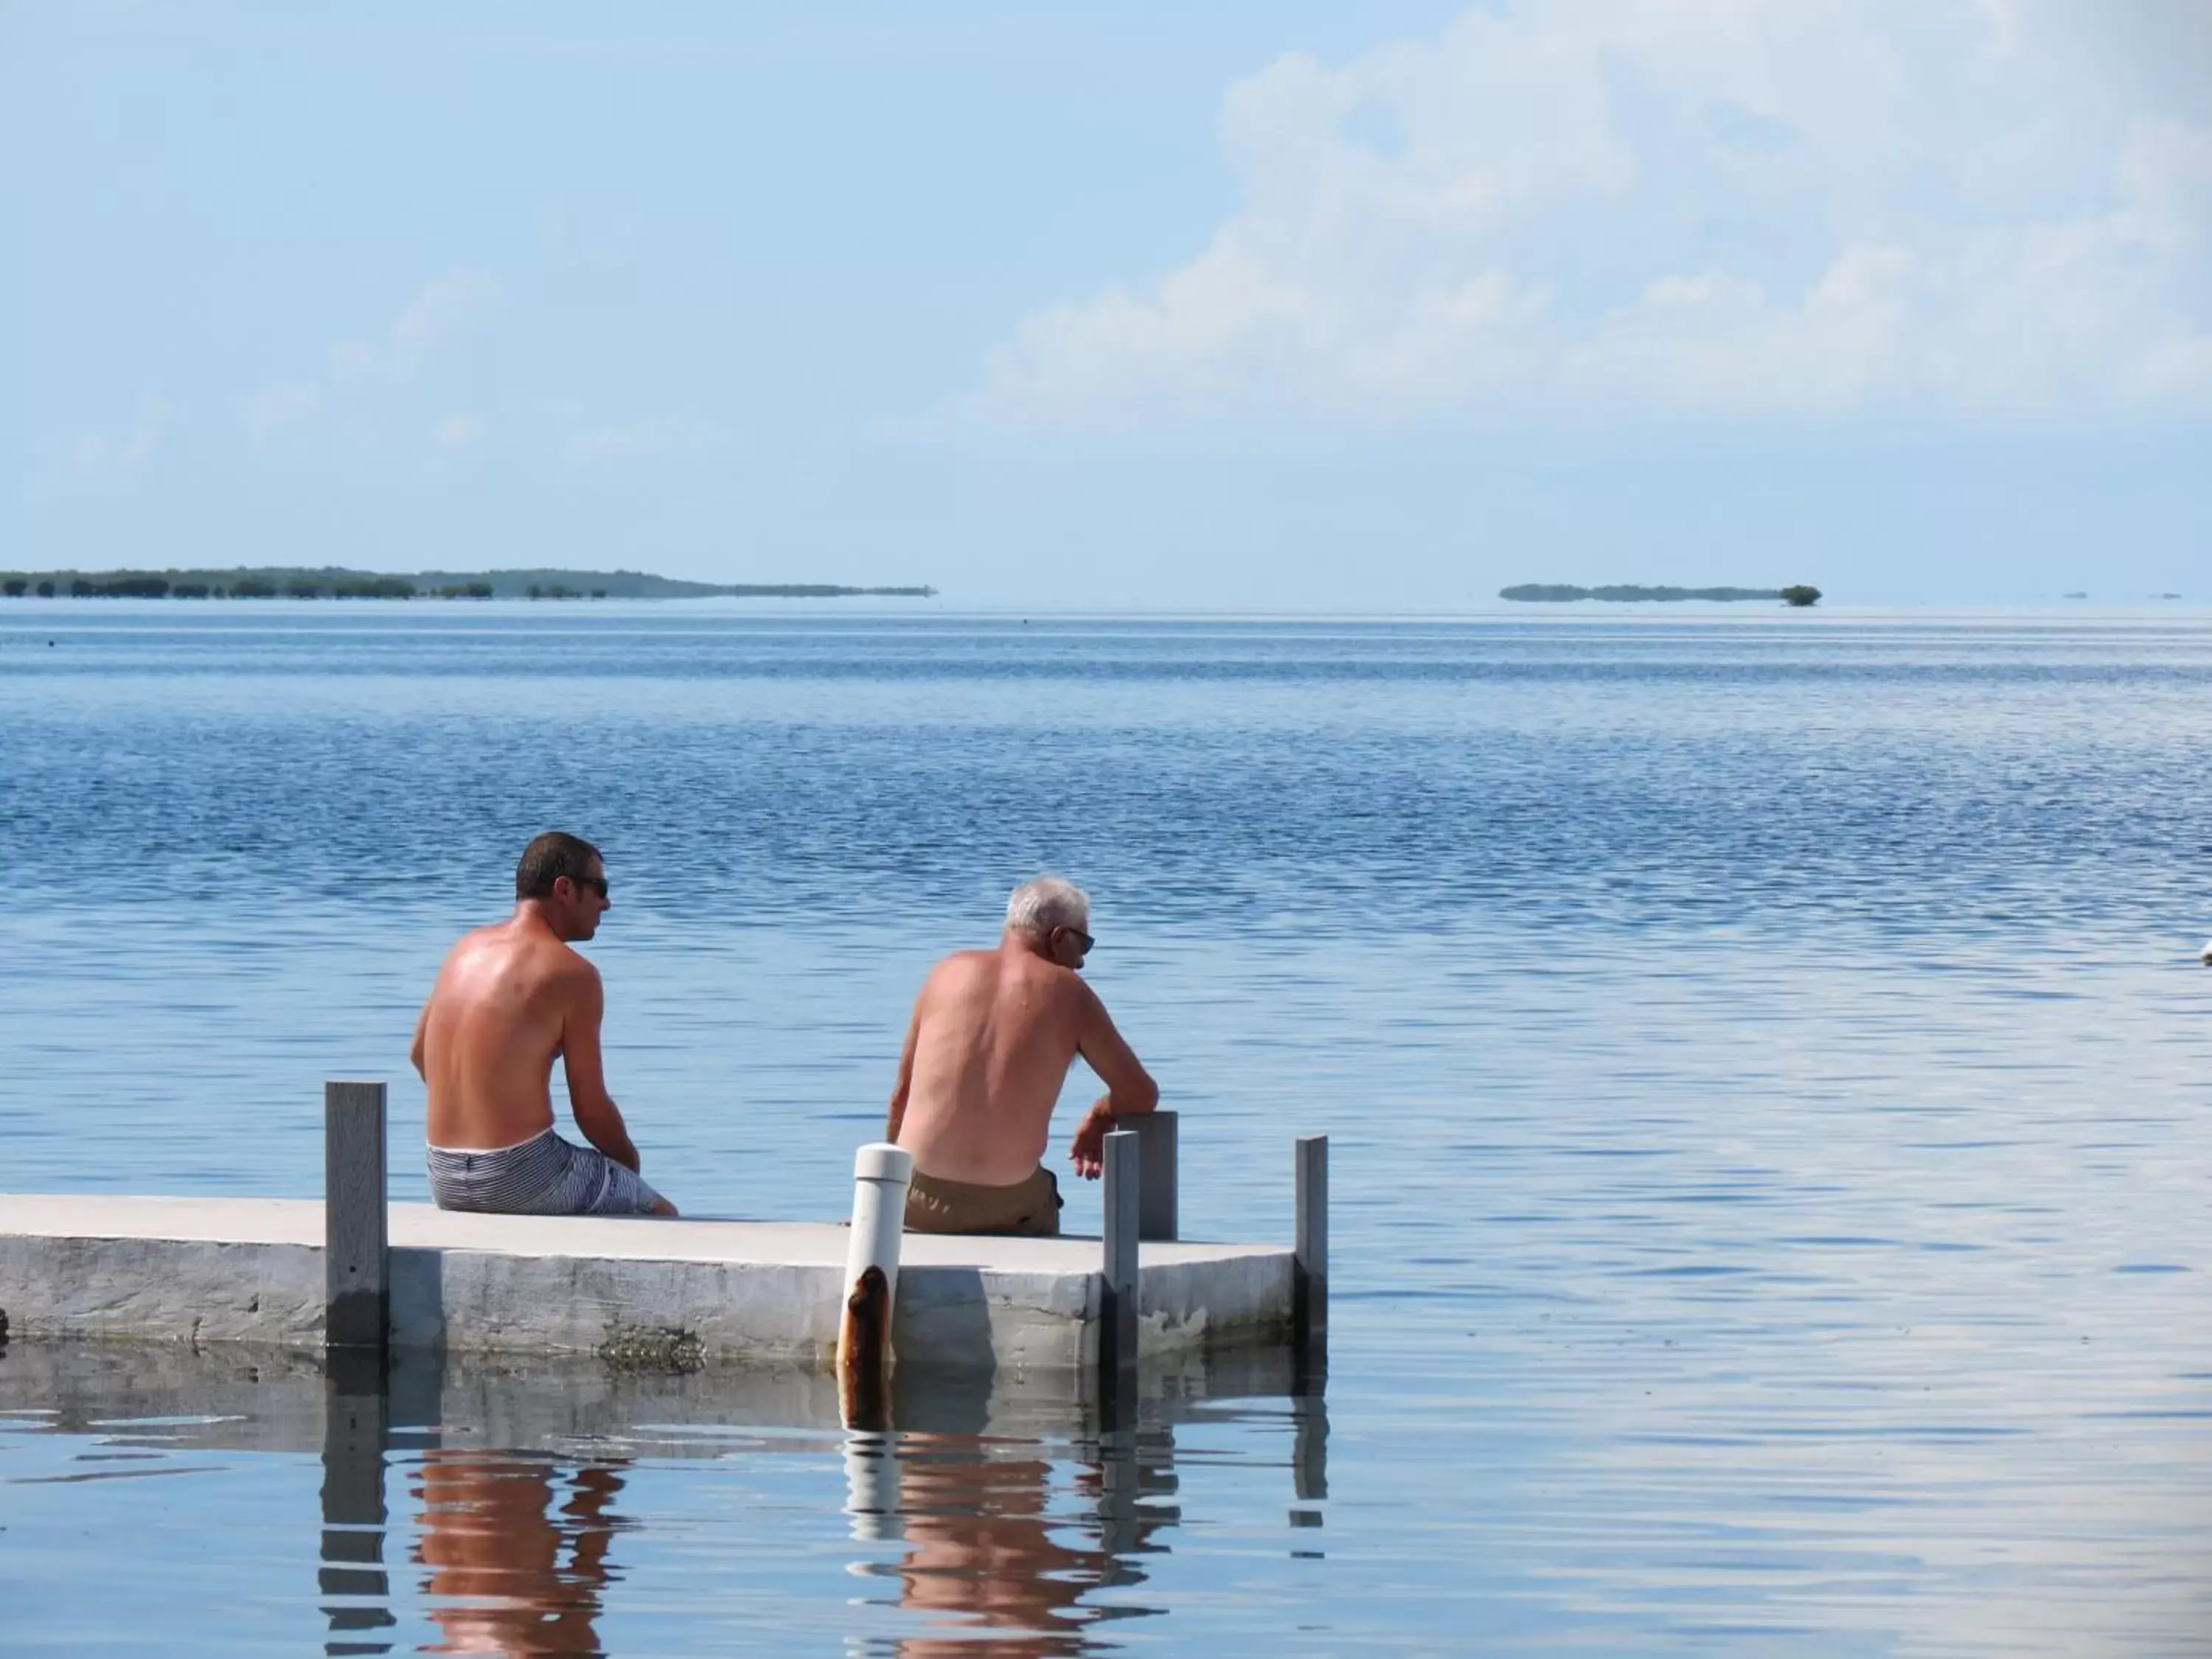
[
  {"x": 273, "y": 411},
  {"x": 458, "y": 430},
  {"x": 655, "y": 439},
  {"x": 1614, "y": 208},
  {"x": 97, "y": 458},
  {"x": 448, "y": 309}
]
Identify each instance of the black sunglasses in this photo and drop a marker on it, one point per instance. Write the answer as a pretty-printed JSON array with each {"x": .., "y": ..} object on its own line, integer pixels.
[
  {"x": 1078, "y": 933},
  {"x": 597, "y": 883}
]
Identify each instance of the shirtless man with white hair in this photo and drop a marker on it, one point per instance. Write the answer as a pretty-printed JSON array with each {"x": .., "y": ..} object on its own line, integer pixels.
[{"x": 993, "y": 1035}]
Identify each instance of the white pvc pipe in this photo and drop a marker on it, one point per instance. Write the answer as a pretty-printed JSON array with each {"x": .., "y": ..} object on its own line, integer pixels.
[{"x": 880, "y": 1174}]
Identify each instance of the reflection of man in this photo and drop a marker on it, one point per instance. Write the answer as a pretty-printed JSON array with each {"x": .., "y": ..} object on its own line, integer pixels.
[
  {"x": 494, "y": 1549},
  {"x": 981, "y": 1543},
  {"x": 509, "y": 999},
  {"x": 993, "y": 1035}
]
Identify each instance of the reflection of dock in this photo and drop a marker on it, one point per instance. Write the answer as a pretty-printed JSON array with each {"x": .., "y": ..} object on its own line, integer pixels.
[
  {"x": 668, "y": 1294},
  {"x": 493, "y": 1495}
]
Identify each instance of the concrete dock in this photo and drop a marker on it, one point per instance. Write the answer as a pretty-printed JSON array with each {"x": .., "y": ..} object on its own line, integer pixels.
[{"x": 665, "y": 1294}]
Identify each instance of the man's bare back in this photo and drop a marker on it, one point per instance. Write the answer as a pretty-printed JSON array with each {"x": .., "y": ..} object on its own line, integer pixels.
[
  {"x": 509, "y": 999},
  {"x": 506, "y": 1002},
  {"x": 993, "y": 1035}
]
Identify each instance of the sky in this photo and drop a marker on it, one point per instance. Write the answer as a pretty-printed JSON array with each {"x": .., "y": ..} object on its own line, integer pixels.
[{"x": 1281, "y": 305}]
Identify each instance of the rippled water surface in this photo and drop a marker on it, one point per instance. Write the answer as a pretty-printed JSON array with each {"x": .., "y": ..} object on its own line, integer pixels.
[{"x": 1764, "y": 1059}]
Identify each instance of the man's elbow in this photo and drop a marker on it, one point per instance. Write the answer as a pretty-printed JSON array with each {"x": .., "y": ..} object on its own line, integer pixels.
[{"x": 1142, "y": 1096}]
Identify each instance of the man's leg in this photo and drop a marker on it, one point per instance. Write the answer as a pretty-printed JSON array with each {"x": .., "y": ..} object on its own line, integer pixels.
[{"x": 599, "y": 1185}]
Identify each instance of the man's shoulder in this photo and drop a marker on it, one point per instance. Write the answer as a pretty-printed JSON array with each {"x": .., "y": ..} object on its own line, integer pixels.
[
  {"x": 530, "y": 956},
  {"x": 564, "y": 962},
  {"x": 963, "y": 965},
  {"x": 1065, "y": 989}
]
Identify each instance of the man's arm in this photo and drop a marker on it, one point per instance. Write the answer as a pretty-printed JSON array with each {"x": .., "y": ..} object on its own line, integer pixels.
[
  {"x": 597, "y": 1115},
  {"x": 1129, "y": 1087},
  {"x": 415, "y": 1051},
  {"x": 905, "y": 1083}
]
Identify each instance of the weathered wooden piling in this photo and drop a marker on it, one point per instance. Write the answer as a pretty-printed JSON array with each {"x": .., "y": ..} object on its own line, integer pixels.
[
  {"x": 1310, "y": 1253},
  {"x": 356, "y": 1252},
  {"x": 1158, "y": 1179},
  {"x": 1117, "y": 1326},
  {"x": 881, "y": 1173}
]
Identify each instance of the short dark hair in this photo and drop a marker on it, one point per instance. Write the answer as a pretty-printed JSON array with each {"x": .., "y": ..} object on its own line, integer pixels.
[{"x": 547, "y": 859}]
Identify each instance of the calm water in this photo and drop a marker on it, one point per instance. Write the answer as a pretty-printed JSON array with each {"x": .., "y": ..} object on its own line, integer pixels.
[{"x": 1764, "y": 1059}]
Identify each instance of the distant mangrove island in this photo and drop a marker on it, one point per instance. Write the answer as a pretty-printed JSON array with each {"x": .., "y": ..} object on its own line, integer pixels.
[
  {"x": 332, "y": 582},
  {"x": 1561, "y": 592}
]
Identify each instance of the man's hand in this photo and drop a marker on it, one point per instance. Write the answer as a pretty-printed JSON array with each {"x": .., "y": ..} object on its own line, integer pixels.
[{"x": 1088, "y": 1154}]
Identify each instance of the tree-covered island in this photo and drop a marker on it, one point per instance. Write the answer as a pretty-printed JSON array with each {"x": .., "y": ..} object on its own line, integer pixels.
[
  {"x": 334, "y": 582},
  {"x": 1798, "y": 594}
]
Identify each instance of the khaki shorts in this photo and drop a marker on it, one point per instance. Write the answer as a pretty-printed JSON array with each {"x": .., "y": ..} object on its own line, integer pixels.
[{"x": 1027, "y": 1209}]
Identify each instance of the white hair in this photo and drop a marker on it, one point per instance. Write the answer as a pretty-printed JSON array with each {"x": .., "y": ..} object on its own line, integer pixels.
[{"x": 1038, "y": 905}]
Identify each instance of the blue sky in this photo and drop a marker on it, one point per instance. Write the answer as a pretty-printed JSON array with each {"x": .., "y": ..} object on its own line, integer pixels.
[{"x": 1273, "y": 306}]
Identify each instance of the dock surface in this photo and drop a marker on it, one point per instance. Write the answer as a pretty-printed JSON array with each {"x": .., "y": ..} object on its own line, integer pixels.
[{"x": 690, "y": 1291}]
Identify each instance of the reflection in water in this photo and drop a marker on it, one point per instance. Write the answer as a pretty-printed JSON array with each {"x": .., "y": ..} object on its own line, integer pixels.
[
  {"x": 986, "y": 1551},
  {"x": 356, "y": 1422},
  {"x": 495, "y": 1529},
  {"x": 1005, "y": 1516}
]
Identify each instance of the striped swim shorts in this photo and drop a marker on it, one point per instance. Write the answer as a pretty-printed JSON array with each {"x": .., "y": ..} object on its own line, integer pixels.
[{"x": 544, "y": 1176}]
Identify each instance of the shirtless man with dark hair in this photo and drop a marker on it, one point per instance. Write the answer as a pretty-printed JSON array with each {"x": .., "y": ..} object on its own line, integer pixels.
[
  {"x": 993, "y": 1035},
  {"x": 510, "y": 1000}
]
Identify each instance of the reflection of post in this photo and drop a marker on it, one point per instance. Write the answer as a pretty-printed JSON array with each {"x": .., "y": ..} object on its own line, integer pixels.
[
  {"x": 871, "y": 1485},
  {"x": 1118, "y": 1486},
  {"x": 1309, "y": 1441},
  {"x": 356, "y": 1414}
]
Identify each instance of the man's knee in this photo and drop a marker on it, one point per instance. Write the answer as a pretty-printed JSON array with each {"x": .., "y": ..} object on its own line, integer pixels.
[{"x": 661, "y": 1206}]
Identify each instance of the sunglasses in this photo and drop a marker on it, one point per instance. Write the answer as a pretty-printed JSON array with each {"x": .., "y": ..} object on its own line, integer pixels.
[
  {"x": 1077, "y": 933},
  {"x": 597, "y": 883}
]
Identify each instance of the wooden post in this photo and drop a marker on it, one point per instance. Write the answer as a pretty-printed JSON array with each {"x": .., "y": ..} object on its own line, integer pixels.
[
  {"x": 1117, "y": 1329},
  {"x": 356, "y": 1285},
  {"x": 1310, "y": 1270},
  {"x": 1157, "y": 1134},
  {"x": 881, "y": 1173}
]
